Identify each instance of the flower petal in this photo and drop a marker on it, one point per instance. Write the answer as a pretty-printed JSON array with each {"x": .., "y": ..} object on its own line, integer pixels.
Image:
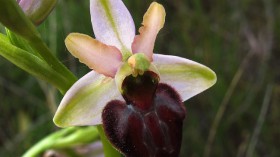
[
  {"x": 84, "y": 101},
  {"x": 153, "y": 21},
  {"x": 187, "y": 77},
  {"x": 112, "y": 23},
  {"x": 98, "y": 56}
]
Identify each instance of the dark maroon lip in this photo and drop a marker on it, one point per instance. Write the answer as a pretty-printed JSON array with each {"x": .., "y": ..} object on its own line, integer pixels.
[{"x": 149, "y": 122}]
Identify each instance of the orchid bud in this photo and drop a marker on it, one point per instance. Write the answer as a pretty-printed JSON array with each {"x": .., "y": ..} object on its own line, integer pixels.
[{"x": 37, "y": 10}]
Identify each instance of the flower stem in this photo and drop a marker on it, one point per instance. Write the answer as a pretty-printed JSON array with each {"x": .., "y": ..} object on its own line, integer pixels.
[
  {"x": 109, "y": 150},
  {"x": 64, "y": 138},
  {"x": 45, "y": 143}
]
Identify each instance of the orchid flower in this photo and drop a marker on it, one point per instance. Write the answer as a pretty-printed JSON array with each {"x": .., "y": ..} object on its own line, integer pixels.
[{"x": 135, "y": 94}]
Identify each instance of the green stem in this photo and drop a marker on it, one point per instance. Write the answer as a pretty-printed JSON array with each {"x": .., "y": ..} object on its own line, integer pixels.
[
  {"x": 63, "y": 139},
  {"x": 45, "y": 143},
  {"x": 32, "y": 64},
  {"x": 12, "y": 16},
  {"x": 109, "y": 150}
]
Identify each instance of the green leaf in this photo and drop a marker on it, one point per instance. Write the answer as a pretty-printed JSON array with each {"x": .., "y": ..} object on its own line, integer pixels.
[
  {"x": 32, "y": 64},
  {"x": 12, "y": 16},
  {"x": 19, "y": 42}
]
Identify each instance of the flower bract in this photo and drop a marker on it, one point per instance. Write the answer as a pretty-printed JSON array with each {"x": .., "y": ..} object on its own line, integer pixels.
[{"x": 37, "y": 10}]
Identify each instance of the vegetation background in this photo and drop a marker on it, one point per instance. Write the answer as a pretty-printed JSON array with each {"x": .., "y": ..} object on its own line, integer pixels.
[{"x": 238, "y": 39}]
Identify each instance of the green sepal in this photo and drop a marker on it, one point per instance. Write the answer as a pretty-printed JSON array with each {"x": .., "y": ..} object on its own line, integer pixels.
[{"x": 187, "y": 77}]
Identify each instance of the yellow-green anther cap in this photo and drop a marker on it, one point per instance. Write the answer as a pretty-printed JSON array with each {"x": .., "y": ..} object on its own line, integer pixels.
[
  {"x": 139, "y": 63},
  {"x": 37, "y": 10}
]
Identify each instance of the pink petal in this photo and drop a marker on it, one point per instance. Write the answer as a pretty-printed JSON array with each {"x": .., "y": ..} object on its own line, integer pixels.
[
  {"x": 84, "y": 101},
  {"x": 112, "y": 23},
  {"x": 96, "y": 55},
  {"x": 187, "y": 77},
  {"x": 153, "y": 21}
]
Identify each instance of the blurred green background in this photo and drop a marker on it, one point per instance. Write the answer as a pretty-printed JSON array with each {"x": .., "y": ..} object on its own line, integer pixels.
[{"x": 238, "y": 39}]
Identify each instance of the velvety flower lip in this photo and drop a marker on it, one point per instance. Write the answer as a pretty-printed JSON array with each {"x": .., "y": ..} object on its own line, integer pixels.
[{"x": 108, "y": 55}]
